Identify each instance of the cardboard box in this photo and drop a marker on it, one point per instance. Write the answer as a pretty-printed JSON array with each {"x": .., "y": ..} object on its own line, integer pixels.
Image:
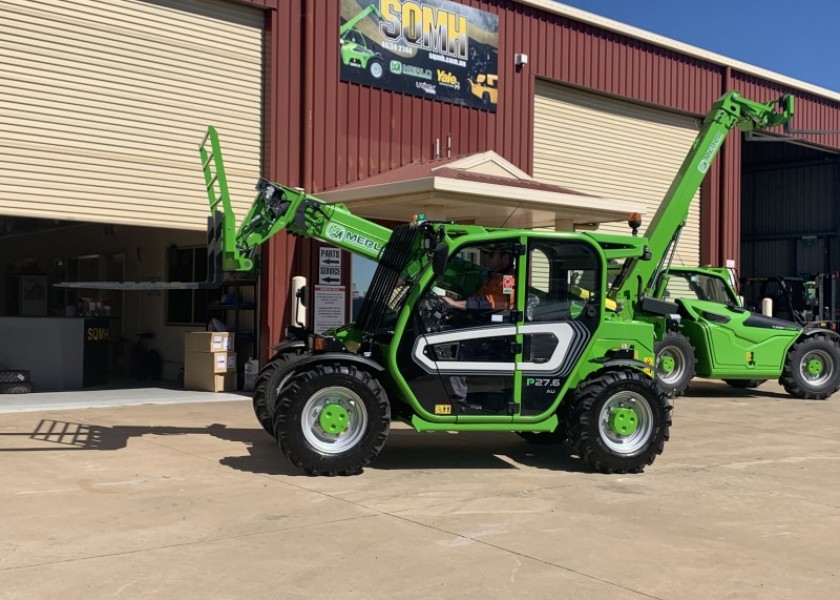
[
  {"x": 210, "y": 382},
  {"x": 208, "y": 341},
  {"x": 209, "y": 362}
]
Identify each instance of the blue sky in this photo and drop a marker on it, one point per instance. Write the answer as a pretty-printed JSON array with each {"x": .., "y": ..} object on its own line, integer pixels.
[{"x": 796, "y": 39}]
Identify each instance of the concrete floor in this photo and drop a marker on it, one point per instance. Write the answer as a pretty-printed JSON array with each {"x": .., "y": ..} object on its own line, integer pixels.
[{"x": 191, "y": 500}]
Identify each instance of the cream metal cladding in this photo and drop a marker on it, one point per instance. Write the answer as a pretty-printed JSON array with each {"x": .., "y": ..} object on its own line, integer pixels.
[
  {"x": 614, "y": 149},
  {"x": 104, "y": 103}
]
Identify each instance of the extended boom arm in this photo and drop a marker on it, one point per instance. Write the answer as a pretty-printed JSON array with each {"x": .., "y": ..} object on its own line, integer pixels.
[
  {"x": 277, "y": 208},
  {"x": 639, "y": 276}
]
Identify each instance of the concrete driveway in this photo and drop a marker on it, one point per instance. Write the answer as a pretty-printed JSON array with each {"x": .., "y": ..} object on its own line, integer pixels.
[{"x": 192, "y": 501}]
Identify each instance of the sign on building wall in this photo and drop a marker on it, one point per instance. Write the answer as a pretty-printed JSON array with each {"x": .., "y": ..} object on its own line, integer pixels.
[
  {"x": 430, "y": 48},
  {"x": 330, "y": 302}
]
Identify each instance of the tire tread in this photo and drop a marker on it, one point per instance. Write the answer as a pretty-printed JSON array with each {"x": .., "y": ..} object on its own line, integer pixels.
[
  {"x": 580, "y": 424},
  {"x": 349, "y": 463}
]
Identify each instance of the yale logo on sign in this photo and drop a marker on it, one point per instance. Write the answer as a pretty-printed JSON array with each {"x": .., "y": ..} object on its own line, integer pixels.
[
  {"x": 446, "y": 77},
  {"x": 443, "y": 409},
  {"x": 97, "y": 334}
]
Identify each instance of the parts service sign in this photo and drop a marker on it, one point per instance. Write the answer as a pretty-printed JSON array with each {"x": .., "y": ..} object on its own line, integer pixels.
[{"x": 430, "y": 48}]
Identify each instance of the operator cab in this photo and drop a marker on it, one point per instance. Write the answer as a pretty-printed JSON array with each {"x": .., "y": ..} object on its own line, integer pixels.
[{"x": 498, "y": 312}]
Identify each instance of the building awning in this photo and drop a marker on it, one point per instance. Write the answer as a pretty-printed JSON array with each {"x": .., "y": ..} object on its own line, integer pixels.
[{"x": 483, "y": 189}]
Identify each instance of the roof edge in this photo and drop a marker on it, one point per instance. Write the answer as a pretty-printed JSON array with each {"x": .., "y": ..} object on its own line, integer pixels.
[{"x": 671, "y": 44}]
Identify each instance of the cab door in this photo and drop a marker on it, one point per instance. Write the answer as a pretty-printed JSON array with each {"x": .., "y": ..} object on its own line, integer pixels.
[
  {"x": 562, "y": 309},
  {"x": 467, "y": 334}
]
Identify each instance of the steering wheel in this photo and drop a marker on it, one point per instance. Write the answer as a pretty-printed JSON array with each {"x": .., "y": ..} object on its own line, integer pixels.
[{"x": 434, "y": 311}]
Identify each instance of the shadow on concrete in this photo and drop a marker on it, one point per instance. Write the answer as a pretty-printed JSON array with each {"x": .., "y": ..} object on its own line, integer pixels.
[
  {"x": 404, "y": 450},
  {"x": 719, "y": 389},
  {"x": 412, "y": 450},
  {"x": 263, "y": 455}
]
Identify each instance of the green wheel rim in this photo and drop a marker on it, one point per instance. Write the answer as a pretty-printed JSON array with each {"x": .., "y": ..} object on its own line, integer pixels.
[
  {"x": 623, "y": 421},
  {"x": 333, "y": 419}
]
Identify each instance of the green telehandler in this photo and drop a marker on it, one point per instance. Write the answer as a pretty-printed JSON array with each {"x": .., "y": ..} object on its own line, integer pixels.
[
  {"x": 714, "y": 336},
  {"x": 354, "y": 50},
  {"x": 676, "y": 362},
  {"x": 543, "y": 357}
]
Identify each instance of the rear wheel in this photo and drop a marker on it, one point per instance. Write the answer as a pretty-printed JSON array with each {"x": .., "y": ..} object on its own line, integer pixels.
[
  {"x": 812, "y": 368},
  {"x": 332, "y": 420},
  {"x": 619, "y": 422},
  {"x": 744, "y": 384},
  {"x": 674, "y": 362},
  {"x": 271, "y": 379}
]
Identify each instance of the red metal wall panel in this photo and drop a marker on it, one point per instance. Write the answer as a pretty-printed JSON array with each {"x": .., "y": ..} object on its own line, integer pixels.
[{"x": 283, "y": 133}]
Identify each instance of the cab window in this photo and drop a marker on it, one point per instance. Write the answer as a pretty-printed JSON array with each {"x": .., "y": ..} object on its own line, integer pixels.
[{"x": 564, "y": 280}]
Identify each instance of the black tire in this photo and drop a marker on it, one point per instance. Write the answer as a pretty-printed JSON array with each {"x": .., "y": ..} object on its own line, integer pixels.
[
  {"x": 23, "y": 387},
  {"x": 812, "y": 368},
  {"x": 620, "y": 396},
  {"x": 545, "y": 438},
  {"x": 744, "y": 384},
  {"x": 271, "y": 378},
  {"x": 305, "y": 437},
  {"x": 14, "y": 376},
  {"x": 674, "y": 363}
]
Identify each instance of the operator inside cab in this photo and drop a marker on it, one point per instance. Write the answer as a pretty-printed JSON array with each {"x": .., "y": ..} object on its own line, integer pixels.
[{"x": 491, "y": 296}]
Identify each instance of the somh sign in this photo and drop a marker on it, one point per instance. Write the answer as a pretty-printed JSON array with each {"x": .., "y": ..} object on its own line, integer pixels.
[{"x": 430, "y": 48}]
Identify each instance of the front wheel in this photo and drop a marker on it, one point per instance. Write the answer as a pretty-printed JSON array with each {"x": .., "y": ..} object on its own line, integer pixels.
[
  {"x": 619, "y": 422},
  {"x": 674, "y": 362},
  {"x": 812, "y": 368},
  {"x": 332, "y": 420}
]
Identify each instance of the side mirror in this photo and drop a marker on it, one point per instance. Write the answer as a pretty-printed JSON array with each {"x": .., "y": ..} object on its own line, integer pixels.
[{"x": 440, "y": 255}]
